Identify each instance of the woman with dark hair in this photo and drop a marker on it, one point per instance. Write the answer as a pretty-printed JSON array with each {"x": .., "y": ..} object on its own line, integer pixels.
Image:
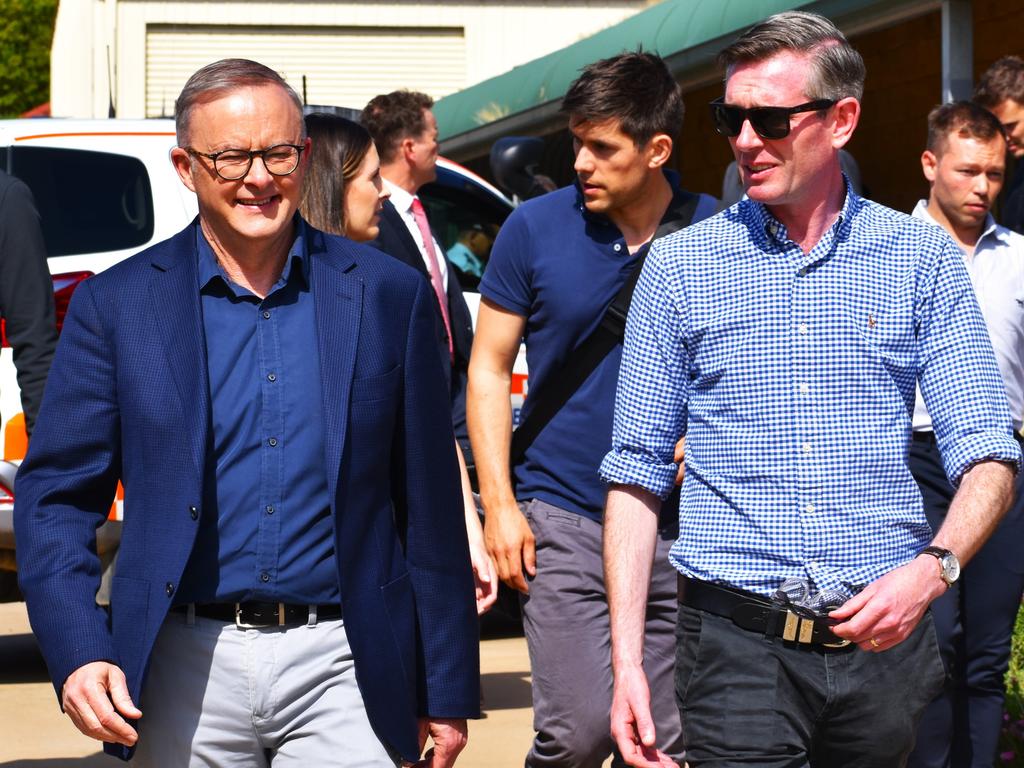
[
  {"x": 343, "y": 191},
  {"x": 343, "y": 195}
]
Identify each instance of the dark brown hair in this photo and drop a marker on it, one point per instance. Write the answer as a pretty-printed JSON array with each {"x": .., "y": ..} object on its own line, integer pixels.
[
  {"x": 339, "y": 148},
  {"x": 1003, "y": 80},
  {"x": 634, "y": 88},
  {"x": 392, "y": 117},
  {"x": 963, "y": 118}
]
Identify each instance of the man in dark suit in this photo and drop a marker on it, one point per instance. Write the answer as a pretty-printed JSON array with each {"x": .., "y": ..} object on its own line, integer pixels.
[
  {"x": 26, "y": 293},
  {"x": 293, "y": 585},
  {"x": 405, "y": 132}
]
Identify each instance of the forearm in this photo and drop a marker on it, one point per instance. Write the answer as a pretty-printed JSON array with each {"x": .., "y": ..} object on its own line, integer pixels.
[
  {"x": 473, "y": 529},
  {"x": 984, "y": 496},
  {"x": 630, "y": 535},
  {"x": 489, "y": 418}
]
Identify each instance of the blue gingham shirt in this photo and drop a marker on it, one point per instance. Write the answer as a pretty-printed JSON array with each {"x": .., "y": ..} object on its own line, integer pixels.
[{"x": 793, "y": 376}]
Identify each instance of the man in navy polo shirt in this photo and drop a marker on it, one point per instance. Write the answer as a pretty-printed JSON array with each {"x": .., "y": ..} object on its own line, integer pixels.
[{"x": 557, "y": 264}]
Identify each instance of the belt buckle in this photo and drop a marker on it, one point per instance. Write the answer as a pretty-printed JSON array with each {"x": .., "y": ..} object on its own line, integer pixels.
[
  {"x": 838, "y": 644},
  {"x": 263, "y": 625}
]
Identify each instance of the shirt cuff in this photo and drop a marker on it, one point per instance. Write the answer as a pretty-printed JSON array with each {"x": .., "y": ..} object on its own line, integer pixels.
[
  {"x": 972, "y": 449},
  {"x": 623, "y": 468}
]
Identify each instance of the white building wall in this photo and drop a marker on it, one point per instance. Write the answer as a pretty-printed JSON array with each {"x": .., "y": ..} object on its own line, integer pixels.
[{"x": 482, "y": 39}]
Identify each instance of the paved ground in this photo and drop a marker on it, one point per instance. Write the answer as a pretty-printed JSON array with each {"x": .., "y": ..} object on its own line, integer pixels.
[{"x": 34, "y": 734}]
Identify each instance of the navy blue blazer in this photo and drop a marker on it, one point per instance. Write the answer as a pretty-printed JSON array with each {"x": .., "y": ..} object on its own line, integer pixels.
[
  {"x": 394, "y": 239},
  {"x": 127, "y": 399}
]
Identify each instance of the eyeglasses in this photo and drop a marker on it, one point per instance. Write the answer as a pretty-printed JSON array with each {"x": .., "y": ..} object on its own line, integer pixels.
[
  {"x": 234, "y": 164},
  {"x": 767, "y": 122}
]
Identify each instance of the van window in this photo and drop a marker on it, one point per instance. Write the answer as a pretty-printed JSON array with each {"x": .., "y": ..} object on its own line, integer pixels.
[
  {"x": 461, "y": 211},
  {"x": 89, "y": 202}
]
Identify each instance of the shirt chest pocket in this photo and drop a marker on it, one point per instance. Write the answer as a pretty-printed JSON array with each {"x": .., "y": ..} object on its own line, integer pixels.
[{"x": 888, "y": 339}]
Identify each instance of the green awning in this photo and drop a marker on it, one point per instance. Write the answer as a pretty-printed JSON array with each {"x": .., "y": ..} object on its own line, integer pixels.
[{"x": 687, "y": 33}]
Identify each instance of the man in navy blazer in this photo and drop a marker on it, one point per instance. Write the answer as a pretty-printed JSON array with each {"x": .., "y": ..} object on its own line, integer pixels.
[{"x": 293, "y": 585}]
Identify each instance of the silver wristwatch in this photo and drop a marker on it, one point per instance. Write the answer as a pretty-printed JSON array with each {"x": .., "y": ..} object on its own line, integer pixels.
[{"x": 948, "y": 562}]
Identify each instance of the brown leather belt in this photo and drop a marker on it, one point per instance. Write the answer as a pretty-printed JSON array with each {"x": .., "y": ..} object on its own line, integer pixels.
[{"x": 758, "y": 614}]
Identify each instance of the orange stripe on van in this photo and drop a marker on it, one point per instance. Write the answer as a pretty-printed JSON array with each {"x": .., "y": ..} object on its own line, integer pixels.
[
  {"x": 519, "y": 384},
  {"x": 94, "y": 133},
  {"x": 15, "y": 438}
]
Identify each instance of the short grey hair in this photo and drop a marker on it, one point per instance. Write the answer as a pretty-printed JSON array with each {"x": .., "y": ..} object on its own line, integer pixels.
[
  {"x": 837, "y": 70},
  {"x": 216, "y": 79}
]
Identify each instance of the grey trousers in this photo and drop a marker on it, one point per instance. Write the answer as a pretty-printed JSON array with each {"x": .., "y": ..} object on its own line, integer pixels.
[
  {"x": 251, "y": 698},
  {"x": 565, "y": 616}
]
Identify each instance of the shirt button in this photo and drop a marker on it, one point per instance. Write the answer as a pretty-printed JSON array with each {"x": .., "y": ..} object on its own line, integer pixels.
[
  {"x": 617, "y": 247},
  {"x": 807, "y": 447},
  {"x": 805, "y": 388},
  {"x": 802, "y": 272},
  {"x": 194, "y": 513},
  {"x": 266, "y": 314},
  {"x": 272, "y": 442},
  {"x": 270, "y": 509},
  {"x": 271, "y": 377},
  {"x": 169, "y": 589},
  {"x": 264, "y": 577},
  {"x": 802, "y": 328},
  {"x": 809, "y": 509}
]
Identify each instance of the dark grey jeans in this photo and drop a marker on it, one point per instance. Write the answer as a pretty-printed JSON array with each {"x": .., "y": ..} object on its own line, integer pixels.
[
  {"x": 565, "y": 617},
  {"x": 747, "y": 700}
]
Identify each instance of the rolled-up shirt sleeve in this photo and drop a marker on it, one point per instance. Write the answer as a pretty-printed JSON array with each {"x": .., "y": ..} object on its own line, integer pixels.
[
  {"x": 959, "y": 377},
  {"x": 651, "y": 400}
]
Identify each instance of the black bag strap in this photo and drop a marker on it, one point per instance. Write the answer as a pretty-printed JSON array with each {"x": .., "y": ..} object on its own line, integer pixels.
[{"x": 610, "y": 331}]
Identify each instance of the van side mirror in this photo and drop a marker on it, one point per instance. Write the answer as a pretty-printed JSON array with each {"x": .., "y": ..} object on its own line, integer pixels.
[{"x": 515, "y": 162}]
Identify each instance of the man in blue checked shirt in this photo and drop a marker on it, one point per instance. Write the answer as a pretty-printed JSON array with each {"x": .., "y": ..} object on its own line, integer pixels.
[{"x": 784, "y": 338}]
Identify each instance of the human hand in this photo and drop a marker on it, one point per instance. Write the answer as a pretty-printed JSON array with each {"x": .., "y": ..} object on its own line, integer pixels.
[
  {"x": 679, "y": 457},
  {"x": 485, "y": 577},
  {"x": 631, "y": 722},
  {"x": 95, "y": 696},
  {"x": 449, "y": 736},
  {"x": 512, "y": 545},
  {"x": 888, "y": 609}
]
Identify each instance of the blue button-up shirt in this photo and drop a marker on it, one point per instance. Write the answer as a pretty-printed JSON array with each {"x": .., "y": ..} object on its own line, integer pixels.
[
  {"x": 792, "y": 376},
  {"x": 266, "y": 531}
]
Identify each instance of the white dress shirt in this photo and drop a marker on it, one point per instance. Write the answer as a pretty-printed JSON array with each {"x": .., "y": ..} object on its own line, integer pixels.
[
  {"x": 997, "y": 274},
  {"x": 402, "y": 201}
]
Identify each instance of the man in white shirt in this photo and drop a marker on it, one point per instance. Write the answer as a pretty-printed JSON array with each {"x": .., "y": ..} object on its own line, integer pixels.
[
  {"x": 964, "y": 164},
  {"x": 405, "y": 132}
]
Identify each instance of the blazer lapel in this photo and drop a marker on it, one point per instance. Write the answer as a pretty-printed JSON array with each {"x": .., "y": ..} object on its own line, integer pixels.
[
  {"x": 338, "y": 298},
  {"x": 410, "y": 251},
  {"x": 177, "y": 316}
]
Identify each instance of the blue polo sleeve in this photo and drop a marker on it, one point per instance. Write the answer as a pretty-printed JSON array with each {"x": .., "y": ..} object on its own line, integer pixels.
[{"x": 507, "y": 279}]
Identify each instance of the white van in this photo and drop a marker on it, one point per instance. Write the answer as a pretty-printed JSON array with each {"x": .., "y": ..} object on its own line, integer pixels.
[{"x": 106, "y": 189}]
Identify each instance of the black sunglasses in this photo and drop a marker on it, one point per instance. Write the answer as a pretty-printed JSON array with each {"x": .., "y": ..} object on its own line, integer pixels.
[{"x": 767, "y": 122}]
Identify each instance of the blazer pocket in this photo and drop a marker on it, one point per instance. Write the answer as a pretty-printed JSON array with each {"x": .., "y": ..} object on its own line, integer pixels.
[{"x": 380, "y": 387}]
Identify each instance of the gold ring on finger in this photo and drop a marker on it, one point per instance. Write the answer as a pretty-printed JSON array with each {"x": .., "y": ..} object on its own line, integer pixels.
[{"x": 874, "y": 643}]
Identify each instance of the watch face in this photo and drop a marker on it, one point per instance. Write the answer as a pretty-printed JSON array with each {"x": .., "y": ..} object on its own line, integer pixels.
[{"x": 950, "y": 568}]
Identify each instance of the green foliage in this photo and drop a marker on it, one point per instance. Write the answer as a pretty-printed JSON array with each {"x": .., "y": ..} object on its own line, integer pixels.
[
  {"x": 26, "y": 32},
  {"x": 1011, "y": 743}
]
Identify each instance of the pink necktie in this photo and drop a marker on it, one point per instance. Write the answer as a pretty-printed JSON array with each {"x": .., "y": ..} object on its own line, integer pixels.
[{"x": 435, "y": 269}]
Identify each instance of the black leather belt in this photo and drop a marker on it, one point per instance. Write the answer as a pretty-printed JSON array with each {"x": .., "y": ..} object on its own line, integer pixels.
[
  {"x": 758, "y": 614},
  {"x": 261, "y": 615},
  {"x": 922, "y": 436}
]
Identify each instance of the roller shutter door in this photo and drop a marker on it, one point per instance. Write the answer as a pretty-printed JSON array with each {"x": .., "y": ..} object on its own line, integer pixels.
[{"x": 344, "y": 66}]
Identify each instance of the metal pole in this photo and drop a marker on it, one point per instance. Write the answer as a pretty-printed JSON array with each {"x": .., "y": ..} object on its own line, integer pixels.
[{"x": 957, "y": 50}]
